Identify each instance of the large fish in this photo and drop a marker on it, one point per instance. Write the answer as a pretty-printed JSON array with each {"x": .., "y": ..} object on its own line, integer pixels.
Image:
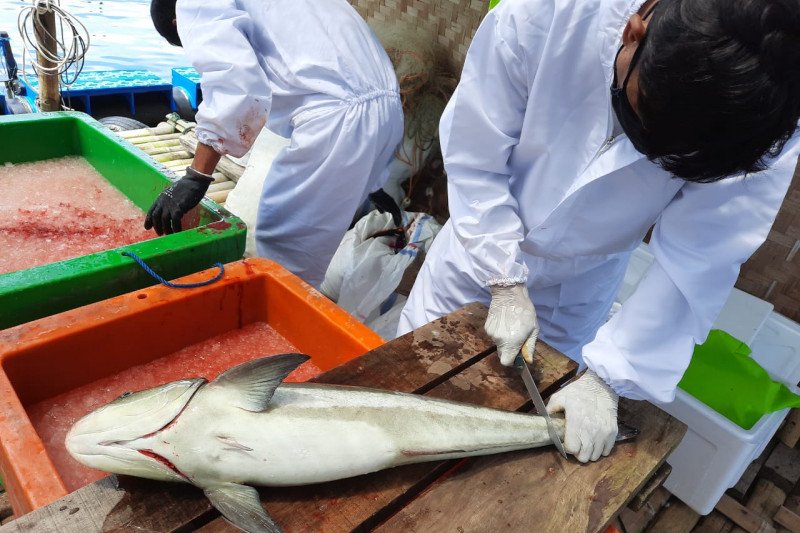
[{"x": 246, "y": 428}]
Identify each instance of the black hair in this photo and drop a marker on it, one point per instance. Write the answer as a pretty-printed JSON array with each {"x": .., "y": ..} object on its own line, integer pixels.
[
  {"x": 163, "y": 14},
  {"x": 719, "y": 84}
]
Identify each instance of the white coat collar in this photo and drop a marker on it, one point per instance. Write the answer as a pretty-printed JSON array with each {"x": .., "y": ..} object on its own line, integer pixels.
[{"x": 614, "y": 15}]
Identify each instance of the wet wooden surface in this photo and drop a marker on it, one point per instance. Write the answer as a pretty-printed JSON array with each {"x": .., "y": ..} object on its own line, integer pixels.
[
  {"x": 450, "y": 358},
  {"x": 514, "y": 491}
]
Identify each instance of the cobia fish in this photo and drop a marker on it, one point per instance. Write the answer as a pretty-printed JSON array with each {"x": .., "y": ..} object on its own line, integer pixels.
[{"x": 246, "y": 428}]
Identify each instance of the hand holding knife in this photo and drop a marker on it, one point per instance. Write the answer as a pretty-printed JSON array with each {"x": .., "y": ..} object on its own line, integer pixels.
[{"x": 524, "y": 362}]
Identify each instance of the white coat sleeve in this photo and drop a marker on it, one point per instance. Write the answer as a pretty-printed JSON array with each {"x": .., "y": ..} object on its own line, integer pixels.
[
  {"x": 236, "y": 93},
  {"x": 699, "y": 243},
  {"x": 479, "y": 130}
]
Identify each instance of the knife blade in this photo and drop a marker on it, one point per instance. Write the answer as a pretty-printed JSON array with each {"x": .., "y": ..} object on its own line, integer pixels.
[{"x": 538, "y": 402}]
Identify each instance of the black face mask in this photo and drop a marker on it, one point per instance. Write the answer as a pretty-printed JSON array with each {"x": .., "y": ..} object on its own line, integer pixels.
[{"x": 626, "y": 116}]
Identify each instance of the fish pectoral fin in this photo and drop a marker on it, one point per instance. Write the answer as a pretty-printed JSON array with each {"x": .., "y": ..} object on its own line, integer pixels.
[
  {"x": 241, "y": 506},
  {"x": 252, "y": 384},
  {"x": 232, "y": 444}
]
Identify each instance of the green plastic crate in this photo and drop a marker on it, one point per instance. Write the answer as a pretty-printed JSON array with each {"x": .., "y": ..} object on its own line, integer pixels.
[{"x": 44, "y": 290}]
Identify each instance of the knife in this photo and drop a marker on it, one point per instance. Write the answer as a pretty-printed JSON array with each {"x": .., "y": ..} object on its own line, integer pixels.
[
  {"x": 624, "y": 432},
  {"x": 527, "y": 378}
]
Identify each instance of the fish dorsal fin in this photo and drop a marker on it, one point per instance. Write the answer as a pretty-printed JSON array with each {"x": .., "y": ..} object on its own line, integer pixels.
[
  {"x": 252, "y": 384},
  {"x": 241, "y": 505}
]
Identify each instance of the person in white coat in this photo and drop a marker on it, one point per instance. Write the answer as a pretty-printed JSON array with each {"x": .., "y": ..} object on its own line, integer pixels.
[
  {"x": 577, "y": 125},
  {"x": 312, "y": 71}
]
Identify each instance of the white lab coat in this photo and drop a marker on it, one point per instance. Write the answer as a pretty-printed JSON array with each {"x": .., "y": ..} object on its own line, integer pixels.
[
  {"x": 538, "y": 194},
  {"x": 314, "y": 72}
]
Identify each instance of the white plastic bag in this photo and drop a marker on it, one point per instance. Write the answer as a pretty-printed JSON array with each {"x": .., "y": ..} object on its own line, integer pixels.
[
  {"x": 243, "y": 201},
  {"x": 385, "y": 325},
  {"x": 366, "y": 270}
]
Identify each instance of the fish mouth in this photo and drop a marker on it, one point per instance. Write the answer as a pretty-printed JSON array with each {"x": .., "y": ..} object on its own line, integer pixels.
[{"x": 130, "y": 445}]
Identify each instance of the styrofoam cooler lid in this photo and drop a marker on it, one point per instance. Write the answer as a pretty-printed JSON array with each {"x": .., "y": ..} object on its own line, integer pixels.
[
  {"x": 776, "y": 347},
  {"x": 743, "y": 316}
]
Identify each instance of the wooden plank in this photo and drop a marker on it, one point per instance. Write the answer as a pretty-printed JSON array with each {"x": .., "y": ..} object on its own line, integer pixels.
[
  {"x": 219, "y": 197},
  {"x": 225, "y": 165},
  {"x": 790, "y": 432},
  {"x": 539, "y": 487},
  {"x": 418, "y": 361},
  {"x": 676, "y": 517},
  {"x": 421, "y": 359},
  {"x": 742, "y": 488},
  {"x": 783, "y": 467},
  {"x": 5, "y": 505},
  {"x": 62, "y": 516},
  {"x": 410, "y": 274},
  {"x": 793, "y": 501},
  {"x": 714, "y": 522},
  {"x": 652, "y": 484},
  {"x": 766, "y": 499},
  {"x": 743, "y": 517},
  {"x": 788, "y": 519},
  {"x": 361, "y": 503},
  {"x": 637, "y": 521}
]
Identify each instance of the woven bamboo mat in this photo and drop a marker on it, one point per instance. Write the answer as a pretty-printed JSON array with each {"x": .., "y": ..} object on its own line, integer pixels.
[
  {"x": 452, "y": 22},
  {"x": 773, "y": 273}
]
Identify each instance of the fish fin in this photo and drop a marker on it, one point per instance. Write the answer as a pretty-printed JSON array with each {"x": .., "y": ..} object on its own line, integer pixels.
[
  {"x": 232, "y": 444},
  {"x": 241, "y": 506},
  {"x": 255, "y": 382}
]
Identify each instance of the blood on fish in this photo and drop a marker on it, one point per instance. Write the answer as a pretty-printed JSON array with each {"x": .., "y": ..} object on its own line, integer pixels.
[
  {"x": 163, "y": 460},
  {"x": 53, "y": 416}
]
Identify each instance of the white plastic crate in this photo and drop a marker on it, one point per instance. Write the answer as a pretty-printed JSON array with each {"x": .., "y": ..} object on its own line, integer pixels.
[{"x": 715, "y": 452}]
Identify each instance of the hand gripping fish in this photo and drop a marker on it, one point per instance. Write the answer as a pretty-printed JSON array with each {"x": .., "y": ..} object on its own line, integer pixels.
[{"x": 246, "y": 428}]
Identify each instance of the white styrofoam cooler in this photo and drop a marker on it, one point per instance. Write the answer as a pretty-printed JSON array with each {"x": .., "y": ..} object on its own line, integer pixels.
[{"x": 715, "y": 452}]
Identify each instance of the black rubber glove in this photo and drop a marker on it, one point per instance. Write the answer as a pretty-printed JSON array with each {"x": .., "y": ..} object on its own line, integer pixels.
[
  {"x": 166, "y": 212},
  {"x": 383, "y": 203}
]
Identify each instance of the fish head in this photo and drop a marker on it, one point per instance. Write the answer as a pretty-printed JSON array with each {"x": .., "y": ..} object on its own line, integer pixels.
[{"x": 113, "y": 437}]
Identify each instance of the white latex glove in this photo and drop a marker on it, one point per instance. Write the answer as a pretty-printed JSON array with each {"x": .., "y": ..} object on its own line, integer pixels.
[
  {"x": 590, "y": 407},
  {"x": 512, "y": 322}
]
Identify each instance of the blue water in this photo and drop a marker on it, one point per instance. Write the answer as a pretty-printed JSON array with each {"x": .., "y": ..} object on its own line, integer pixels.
[{"x": 122, "y": 35}]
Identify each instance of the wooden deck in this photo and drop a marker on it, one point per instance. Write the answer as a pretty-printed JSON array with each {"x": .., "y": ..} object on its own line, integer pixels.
[{"x": 450, "y": 358}]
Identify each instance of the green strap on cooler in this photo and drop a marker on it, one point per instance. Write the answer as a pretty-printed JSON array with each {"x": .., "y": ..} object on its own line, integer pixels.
[
  {"x": 493, "y": 3},
  {"x": 724, "y": 377}
]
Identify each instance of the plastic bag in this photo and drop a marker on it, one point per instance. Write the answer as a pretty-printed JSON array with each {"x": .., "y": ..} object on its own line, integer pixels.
[
  {"x": 366, "y": 270},
  {"x": 245, "y": 198},
  {"x": 724, "y": 377}
]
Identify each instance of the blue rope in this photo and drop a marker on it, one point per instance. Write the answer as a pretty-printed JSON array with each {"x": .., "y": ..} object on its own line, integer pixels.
[{"x": 175, "y": 285}]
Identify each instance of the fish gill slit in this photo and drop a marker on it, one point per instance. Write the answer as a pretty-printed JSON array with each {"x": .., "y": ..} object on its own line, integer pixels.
[
  {"x": 174, "y": 419},
  {"x": 163, "y": 460}
]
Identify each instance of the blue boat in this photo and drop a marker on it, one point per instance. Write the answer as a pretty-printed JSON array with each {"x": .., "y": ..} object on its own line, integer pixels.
[{"x": 122, "y": 98}]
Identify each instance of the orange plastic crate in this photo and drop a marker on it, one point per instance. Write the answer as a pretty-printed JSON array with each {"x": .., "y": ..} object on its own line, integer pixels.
[{"x": 53, "y": 355}]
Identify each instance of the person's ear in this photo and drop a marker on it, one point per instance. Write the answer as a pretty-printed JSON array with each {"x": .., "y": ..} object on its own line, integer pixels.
[
  {"x": 634, "y": 30},
  {"x": 175, "y": 22}
]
